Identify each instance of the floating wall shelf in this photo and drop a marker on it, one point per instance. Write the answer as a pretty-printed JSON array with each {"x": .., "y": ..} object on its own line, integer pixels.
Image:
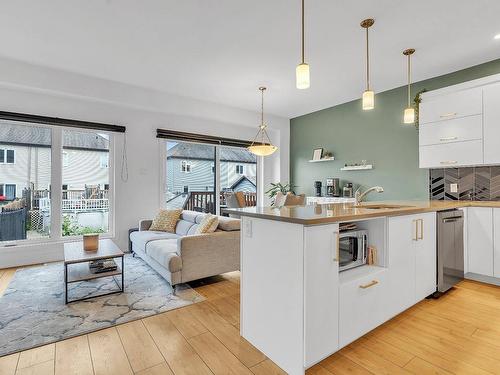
[
  {"x": 323, "y": 159},
  {"x": 357, "y": 168}
]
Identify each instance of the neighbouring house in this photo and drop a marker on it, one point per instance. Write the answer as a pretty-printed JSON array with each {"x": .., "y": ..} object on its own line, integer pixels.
[{"x": 25, "y": 158}]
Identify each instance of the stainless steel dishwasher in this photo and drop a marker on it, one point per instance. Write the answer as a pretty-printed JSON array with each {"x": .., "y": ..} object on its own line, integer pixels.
[{"x": 450, "y": 248}]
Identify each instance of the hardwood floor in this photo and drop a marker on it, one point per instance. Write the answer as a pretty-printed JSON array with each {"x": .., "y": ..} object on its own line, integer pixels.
[{"x": 457, "y": 334}]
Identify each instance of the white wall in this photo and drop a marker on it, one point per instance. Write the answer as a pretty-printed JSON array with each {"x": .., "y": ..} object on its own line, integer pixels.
[{"x": 38, "y": 90}]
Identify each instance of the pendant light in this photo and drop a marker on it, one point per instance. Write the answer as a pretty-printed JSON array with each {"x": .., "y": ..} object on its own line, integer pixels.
[
  {"x": 409, "y": 113},
  {"x": 302, "y": 72},
  {"x": 368, "y": 95},
  {"x": 259, "y": 145}
]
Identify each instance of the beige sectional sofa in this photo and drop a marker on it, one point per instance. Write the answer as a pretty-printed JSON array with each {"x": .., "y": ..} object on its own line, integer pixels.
[{"x": 185, "y": 256}]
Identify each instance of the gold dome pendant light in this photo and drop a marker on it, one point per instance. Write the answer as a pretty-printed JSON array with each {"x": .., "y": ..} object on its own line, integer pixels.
[
  {"x": 302, "y": 75},
  {"x": 368, "y": 95},
  {"x": 409, "y": 113},
  {"x": 259, "y": 145}
]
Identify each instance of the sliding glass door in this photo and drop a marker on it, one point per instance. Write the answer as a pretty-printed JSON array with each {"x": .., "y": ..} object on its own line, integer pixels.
[
  {"x": 200, "y": 176},
  {"x": 190, "y": 177}
]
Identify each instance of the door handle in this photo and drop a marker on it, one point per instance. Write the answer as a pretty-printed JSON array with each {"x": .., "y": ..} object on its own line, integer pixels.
[{"x": 369, "y": 285}]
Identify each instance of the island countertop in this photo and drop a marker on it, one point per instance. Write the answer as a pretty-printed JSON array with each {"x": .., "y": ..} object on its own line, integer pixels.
[{"x": 315, "y": 214}]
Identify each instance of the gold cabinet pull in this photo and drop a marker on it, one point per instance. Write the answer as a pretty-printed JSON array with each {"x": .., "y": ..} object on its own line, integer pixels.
[
  {"x": 369, "y": 285},
  {"x": 447, "y": 139},
  {"x": 415, "y": 237},
  {"x": 337, "y": 247},
  {"x": 451, "y": 114},
  {"x": 421, "y": 229}
]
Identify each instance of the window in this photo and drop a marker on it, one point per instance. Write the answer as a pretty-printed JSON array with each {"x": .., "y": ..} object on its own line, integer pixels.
[
  {"x": 85, "y": 203},
  {"x": 231, "y": 169},
  {"x": 185, "y": 166},
  {"x": 7, "y": 156},
  {"x": 29, "y": 147}
]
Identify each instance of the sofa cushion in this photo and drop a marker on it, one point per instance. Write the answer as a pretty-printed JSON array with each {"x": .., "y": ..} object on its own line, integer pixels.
[
  {"x": 208, "y": 225},
  {"x": 142, "y": 238},
  {"x": 183, "y": 227},
  {"x": 228, "y": 224},
  {"x": 190, "y": 216},
  {"x": 166, "y": 253},
  {"x": 166, "y": 220}
]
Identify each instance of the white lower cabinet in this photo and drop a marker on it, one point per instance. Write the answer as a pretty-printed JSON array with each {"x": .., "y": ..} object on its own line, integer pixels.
[
  {"x": 362, "y": 305},
  {"x": 480, "y": 240},
  {"x": 412, "y": 260},
  {"x": 496, "y": 242}
]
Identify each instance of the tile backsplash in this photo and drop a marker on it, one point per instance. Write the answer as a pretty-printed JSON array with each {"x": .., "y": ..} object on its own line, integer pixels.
[{"x": 474, "y": 183}]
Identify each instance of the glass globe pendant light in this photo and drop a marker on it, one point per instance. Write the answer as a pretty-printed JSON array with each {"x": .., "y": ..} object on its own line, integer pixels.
[
  {"x": 259, "y": 145},
  {"x": 409, "y": 112}
]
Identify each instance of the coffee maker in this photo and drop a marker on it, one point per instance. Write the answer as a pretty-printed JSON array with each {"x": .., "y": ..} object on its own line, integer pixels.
[
  {"x": 332, "y": 187},
  {"x": 317, "y": 188}
]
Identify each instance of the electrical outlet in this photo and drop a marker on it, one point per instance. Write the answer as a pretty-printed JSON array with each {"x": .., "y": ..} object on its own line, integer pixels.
[{"x": 454, "y": 188}]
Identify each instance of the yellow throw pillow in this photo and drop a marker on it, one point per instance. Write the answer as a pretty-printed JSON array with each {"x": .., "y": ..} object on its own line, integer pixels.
[
  {"x": 166, "y": 220},
  {"x": 208, "y": 224}
]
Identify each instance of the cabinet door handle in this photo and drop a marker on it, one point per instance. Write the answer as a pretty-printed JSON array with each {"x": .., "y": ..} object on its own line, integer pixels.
[
  {"x": 421, "y": 222},
  {"x": 450, "y": 114},
  {"x": 369, "y": 285},
  {"x": 415, "y": 237},
  {"x": 336, "y": 247},
  {"x": 449, "y": 162},
  {"x": 446, "y": 139}
]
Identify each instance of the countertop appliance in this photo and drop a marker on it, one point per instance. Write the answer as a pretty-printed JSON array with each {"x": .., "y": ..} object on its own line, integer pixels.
[
  {"x": 450, "y": 249},
  {"x": 332, "y": 187},
  {"x": 317, "y": 188},
  {"x": 353, "y": 246},
  {"x": 348, "y": 191}
]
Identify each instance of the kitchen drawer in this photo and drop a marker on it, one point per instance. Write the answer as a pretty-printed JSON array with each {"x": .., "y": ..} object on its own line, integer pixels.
[
  {"x": 451, "y": 154},
  {"x": 455, "y": 130},
  {"x": 362, "y": 307},
  {"x": 454, "y": 105}
]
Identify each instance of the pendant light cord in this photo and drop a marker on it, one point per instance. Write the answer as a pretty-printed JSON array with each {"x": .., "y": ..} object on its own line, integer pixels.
[
  {"x": 409, "y": 79},
  {"x": 367, "y": 62},
  {"x": 303, "y": 33}
]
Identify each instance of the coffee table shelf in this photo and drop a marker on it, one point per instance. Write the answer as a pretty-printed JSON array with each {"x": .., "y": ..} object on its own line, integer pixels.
[{"x": 80, "y": 272}]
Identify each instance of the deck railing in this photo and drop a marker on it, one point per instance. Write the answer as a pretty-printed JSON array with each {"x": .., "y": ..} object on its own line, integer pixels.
[
  {"x": 77, "y": 205},
  {"x": 204, "y": 201}
]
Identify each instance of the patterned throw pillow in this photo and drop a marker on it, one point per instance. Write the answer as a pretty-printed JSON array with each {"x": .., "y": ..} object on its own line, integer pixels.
[
  {"x": 166, "y": 220},
  {"x": 208, "y": 225}
]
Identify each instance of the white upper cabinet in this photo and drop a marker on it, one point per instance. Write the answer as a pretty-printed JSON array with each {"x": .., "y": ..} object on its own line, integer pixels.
[
  {"x": 460, "y": 125},
  {"x": 491, "y": 99},
  {"x": 450, "y": 106}
]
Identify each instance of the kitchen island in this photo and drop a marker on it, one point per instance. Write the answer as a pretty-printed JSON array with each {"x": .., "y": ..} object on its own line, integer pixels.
[{"x": 297, "y": 308}]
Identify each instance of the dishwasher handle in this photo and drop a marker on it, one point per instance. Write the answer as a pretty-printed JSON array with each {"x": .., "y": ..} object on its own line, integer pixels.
[{"x": 452, "y": 219}]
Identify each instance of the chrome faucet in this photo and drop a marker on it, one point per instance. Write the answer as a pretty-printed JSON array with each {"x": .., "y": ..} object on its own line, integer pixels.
[{"x": 359, "y": 196}]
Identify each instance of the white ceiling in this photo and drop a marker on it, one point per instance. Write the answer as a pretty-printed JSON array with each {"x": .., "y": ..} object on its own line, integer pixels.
[{"x": 222, "y": 50}]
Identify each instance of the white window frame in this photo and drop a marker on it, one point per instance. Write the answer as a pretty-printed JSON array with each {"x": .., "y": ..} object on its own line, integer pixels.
[
  {"x": 186, "y": 166},
  {"x": 5, "y": 150},
  {"x": 56, "y": 170}
]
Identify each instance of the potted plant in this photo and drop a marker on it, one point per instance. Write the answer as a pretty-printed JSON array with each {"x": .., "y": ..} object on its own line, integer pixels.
[{"x": 283, "y": 188}]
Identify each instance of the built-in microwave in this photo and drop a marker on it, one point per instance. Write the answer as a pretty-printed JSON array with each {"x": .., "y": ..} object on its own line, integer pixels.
[{"x": 352, "y": 249}]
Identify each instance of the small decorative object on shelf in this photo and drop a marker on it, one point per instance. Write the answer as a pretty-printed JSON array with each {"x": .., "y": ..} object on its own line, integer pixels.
[
  {"x": 317, "y": 154},
  {"x": 90, "y": 242},
  {"x": 320, "y": 155},
  {"x": 357, "y": 166}
]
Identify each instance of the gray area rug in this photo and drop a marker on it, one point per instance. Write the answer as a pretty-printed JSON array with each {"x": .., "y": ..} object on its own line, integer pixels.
[{"x": 33, "y": 312}]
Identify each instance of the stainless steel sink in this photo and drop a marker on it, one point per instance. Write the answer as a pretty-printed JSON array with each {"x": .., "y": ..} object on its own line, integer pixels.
[{"x": 382, "y": 206}]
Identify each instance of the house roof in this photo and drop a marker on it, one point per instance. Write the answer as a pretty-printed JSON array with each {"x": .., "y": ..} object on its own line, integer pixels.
[
  {"x": 206, "y": 152},
  {"x": 28, "y": 135},
  {"x": 251, "y": 179}
]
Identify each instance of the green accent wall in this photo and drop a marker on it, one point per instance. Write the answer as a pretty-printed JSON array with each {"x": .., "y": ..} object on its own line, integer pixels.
[{"x": 378, "y": 136}]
